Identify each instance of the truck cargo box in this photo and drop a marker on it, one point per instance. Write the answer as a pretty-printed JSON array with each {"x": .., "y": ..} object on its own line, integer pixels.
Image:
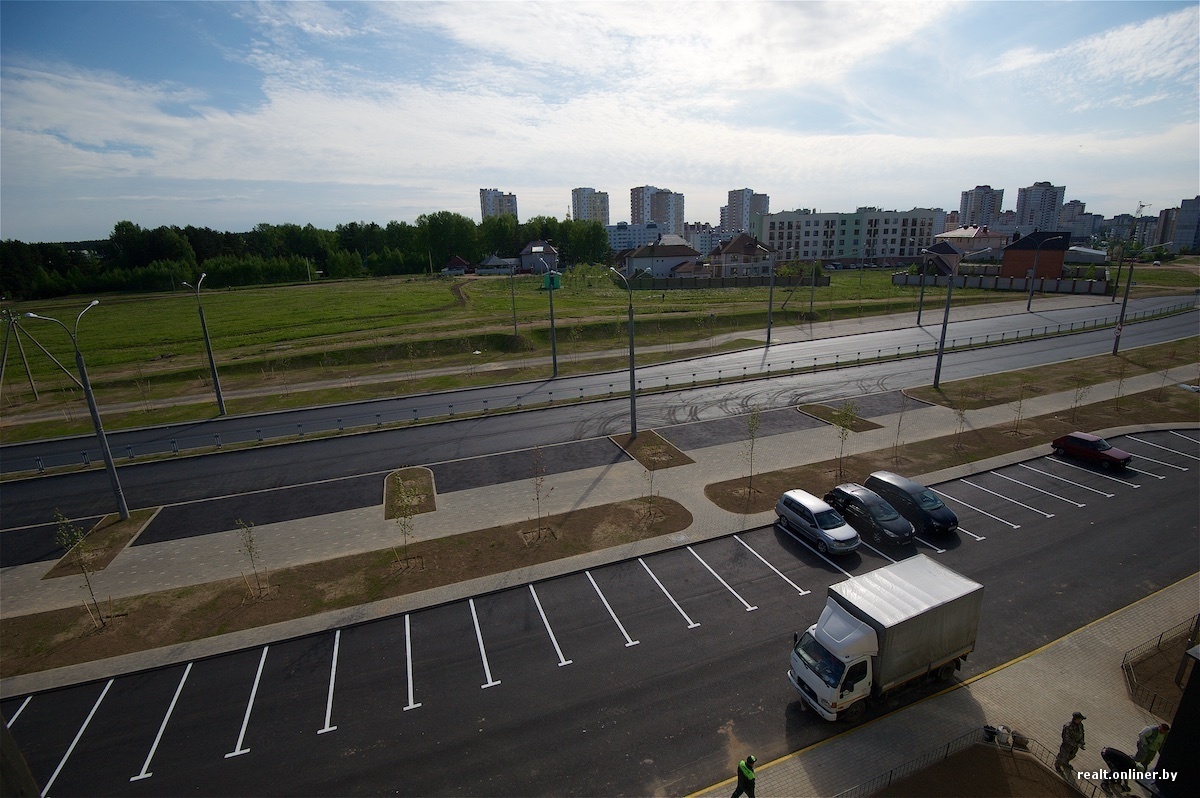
[{"x": 923, "y": 613}]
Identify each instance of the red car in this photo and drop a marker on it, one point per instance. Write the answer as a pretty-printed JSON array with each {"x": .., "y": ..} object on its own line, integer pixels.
[{"x": 1092, "y": 448}]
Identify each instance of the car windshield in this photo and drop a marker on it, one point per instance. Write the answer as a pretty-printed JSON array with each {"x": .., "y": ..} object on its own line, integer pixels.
[
  {"x": 818, "y": 660},
  {"x": 883, "y": 512},
  {"x": 928, "y": 501},
  {"x": 830, "y": 519},
  {"x": 1102, "y": 445}
]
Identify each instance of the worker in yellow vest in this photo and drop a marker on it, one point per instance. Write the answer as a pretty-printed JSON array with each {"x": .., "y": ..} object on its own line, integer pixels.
[{"x": 745, "y": 777}]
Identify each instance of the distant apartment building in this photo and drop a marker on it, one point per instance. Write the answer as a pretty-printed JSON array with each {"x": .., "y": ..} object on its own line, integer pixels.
[
  {"x": 1186, "y": 235},
  {"x": 660, "y": 205},
  {"x": 589, "y": 205},
  {"x": 623, "y": 235},
  {"x": 743, "y": 204},
  {"x": 702, "y": 236},
  {"x": 1038, "y": 207},
  {"x": 494, "y": 202},
  {"x": 869, "y": 235},
  {"x": 981, "y": 205}
]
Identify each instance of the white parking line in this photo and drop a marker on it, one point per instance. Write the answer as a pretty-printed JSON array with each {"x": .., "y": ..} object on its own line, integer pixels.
[
  {"x": 690, "y": 623},
  {"x": 1185, "y": 437},
  {"x": 976, "y": 509},
  {"x": 1006, "y": 498},
  {"x": 745, "y": 603},
  {"x": 337, "y": 639},
  {"x": 408, "y": 665},
  {"x": 17, "y": 714},
  {"x": 487, "y": 671},
  {"x": 145, "y": 772},
  {"x": 872, "y": 548},
  {"x": 1068, "y": 481},
  {"x": 805, "y": 544},
  {"x": 75, "y": 742},
  {"x": 1165, "y": 449},
  {"x": 561, "y": 659},
  {"x": 1060, "y": 461},
  {"x": 779, "y": 573},
  {"x": 628, "y": 640},
  {"x": 1039, "y": 490},
  {"x": 930, "y": 545},
  {"x": 972, "y": 534},
  {"x": 238, "y": 751},
  {"x": 1144, "y": 473}
]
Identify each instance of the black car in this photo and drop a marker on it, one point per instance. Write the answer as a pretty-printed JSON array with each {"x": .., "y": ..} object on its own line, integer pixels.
[
  {"x": 915, "y": 502},
  {"x": 870, "y": 514}
]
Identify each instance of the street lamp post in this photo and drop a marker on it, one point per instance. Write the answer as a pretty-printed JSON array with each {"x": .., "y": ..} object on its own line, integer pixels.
[
  {"x": 109, "y": 465},
  {"x": 212, "y": 363},
  {"x": 937, "y": 369},
  {"x": 550, "y": 275},
  {"x": 921, "y": 296},
  {"x": 1036, "y": 252},
  {"x": 632, "y": 378},
  {"x": 1124, "y": 304}
]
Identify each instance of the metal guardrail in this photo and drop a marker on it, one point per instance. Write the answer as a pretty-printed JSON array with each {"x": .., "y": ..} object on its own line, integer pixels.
[
  {"x": 599, "y": 390},
  {"x": 1154, "y": 703},
  {"x": 1016, "y": 742}
]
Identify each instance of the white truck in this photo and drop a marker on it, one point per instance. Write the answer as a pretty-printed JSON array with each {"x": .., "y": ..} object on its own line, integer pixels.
[{"x": 883, "y": 630}]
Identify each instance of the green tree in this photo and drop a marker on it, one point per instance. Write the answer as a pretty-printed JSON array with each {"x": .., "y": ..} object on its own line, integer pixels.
[
  {"x": 445, "y": 234},
  {"x": 845, "y": 418}
]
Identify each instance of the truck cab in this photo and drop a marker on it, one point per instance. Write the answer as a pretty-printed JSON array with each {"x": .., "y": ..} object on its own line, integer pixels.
[{"x": 833, "y": 683}]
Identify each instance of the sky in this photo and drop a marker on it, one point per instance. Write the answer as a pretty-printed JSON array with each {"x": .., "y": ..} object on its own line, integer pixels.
[{"x": 230, "y": 114}]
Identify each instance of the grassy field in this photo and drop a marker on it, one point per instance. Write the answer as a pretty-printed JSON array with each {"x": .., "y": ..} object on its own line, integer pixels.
[{"x": 146, "y": 351}]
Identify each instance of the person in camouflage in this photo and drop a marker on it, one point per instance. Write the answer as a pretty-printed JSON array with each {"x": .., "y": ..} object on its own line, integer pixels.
[{"x": 1072, "y": 741}]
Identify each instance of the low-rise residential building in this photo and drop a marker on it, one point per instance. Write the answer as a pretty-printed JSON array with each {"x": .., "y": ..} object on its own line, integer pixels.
[
  {"x": 539, "y": 257},
  {"x": 668, "y": 257},
  {"x": 1042, "y": 253},
  {"x": 743, "y": 256},
  {"x": 974, "y": 238}
]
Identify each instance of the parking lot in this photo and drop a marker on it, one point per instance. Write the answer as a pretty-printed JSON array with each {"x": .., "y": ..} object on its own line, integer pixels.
[{"x": 629, "y": 653}]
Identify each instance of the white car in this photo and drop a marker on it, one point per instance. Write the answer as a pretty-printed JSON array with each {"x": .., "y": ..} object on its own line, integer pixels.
[{"x": 806, "y": 515}]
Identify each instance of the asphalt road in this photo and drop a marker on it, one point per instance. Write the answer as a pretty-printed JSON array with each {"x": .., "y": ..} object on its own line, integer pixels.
[
  {"x": 780, "y": 358},
  {"x": 644, "y": 676}
]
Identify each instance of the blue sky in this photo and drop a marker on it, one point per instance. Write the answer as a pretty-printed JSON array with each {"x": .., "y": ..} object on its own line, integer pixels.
[{"x": 230, "y": 114}]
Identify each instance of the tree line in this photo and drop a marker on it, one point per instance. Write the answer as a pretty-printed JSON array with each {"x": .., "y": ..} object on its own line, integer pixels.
[{"x": 133, "y": 258}]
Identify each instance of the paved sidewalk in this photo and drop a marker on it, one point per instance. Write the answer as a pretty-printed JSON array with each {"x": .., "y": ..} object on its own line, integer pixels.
[{"x": 1034, "y": 695}]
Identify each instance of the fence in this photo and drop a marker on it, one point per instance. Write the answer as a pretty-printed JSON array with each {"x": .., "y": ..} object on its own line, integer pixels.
[
  {"x": 1016, "y": 742},
  {"x": 1151, "y": 701},
  {"x": 673, "y": 283},
  {"x": 997, "y": 283},
  {"x": 597, "y": 387}
]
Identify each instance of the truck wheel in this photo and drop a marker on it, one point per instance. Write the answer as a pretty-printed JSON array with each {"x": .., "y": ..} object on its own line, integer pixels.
[
  {"x": 853, "y": 713},
  {"x": 945, "y": 672}
]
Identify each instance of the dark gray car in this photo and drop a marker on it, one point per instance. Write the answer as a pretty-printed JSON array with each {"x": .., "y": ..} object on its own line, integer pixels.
[
  {"x": 870, "y": 514},
  {"x": 915, "y": 502}
]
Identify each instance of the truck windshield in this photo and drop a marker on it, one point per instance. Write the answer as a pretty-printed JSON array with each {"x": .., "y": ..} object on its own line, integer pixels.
[{"x": 818, "y": 660}]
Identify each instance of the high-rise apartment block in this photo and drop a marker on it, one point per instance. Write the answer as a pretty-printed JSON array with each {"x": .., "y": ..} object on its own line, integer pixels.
[
  {"x": 1038, "y": 207},
  {"x": 981, "y": 205},
  {"x": 868, "y": 235},
  {"x": 589, "y": 205},
  {"x": 661, "y": 205},
  {"x": 743, "y": 203},
  {"x": 494, "y": 202}
]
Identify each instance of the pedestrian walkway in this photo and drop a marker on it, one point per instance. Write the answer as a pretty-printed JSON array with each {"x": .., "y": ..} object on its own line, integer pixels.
[{"x": 1034, "y": 695}]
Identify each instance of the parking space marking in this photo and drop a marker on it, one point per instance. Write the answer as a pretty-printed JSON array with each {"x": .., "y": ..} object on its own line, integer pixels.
[
  {"x": 1039, "y": 490},
  {"x": 1144, "y": 473},
  {"x": 779, "y": 573},
  {"x": 1007, "y": 499},
  {"x": 1165, "y": 449},
  {"x": 877, "y": 551},
  {"x": 746, "y": 604},
  {"x": 1068, "y": 481},
  {"x": 930, "y": 545},
  {"x": 145, "y": 772},
  {"x": 976, "y": 509},
  {"x": 561, "y": 659},
  {"x": 1185, "y": 437},
  {"x": 1097, "y": 473},
  {"x": 17, "y": 714},
  {"x": 1142, "y": 457},
  {"x": 690, "y": 623},
  {"x": 78, "y": 734},
  {"x": 487, "y": 670},
  {"x": 337, "y": 639},
  {"x": 408, "y": 665},
  {"x": 238, "y": 751},
  {"x": 972, "y": 534},
  {"x": 804, "y": 543},
  {"x": 628, "y": 640}
]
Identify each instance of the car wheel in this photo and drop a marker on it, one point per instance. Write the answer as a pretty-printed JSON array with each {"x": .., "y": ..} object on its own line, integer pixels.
[
  {"x": 822, "y": 547},
  {"x": 875, "y": 536},
  {"x": 1105, "y": 464},
  {"x": 1058, "y": 450}
]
